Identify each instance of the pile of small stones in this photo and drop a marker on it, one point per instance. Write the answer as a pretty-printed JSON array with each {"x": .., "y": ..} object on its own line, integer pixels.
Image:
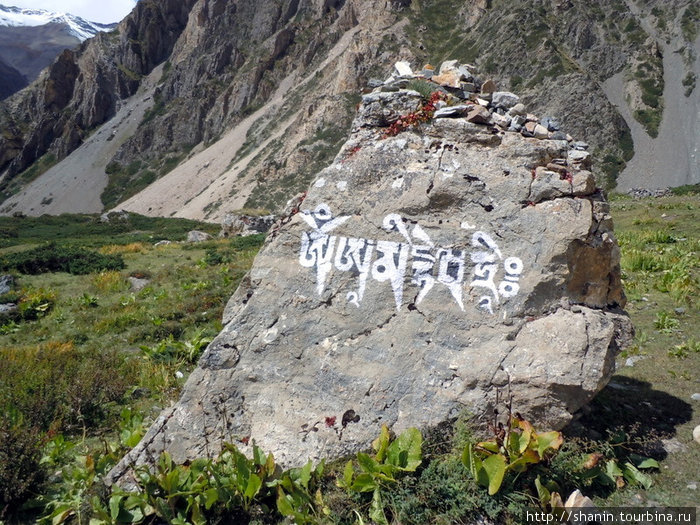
[
  {"x": 478, "y": 101},
  {"x": 641, "y": 193}
]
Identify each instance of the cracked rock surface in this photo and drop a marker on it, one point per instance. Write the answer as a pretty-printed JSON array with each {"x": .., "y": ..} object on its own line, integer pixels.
[{"x": 422, "y": 272}]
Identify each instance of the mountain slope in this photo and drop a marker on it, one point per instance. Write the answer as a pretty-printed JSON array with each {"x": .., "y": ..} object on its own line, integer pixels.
[
  {"x": 30, "y": 39},
  {"x": 80, "y": 28},
  {"x": 252, "y": 101},
  {"x": 11, "y": 80}
]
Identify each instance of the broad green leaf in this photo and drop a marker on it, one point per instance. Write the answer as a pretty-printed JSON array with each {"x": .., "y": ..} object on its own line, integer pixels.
[
  {"x": 491, "y": 446},
  {"x": 320, "y": 469},
  {"x": 305, "y": 475},
  {"x": 642, "y": 462},
  {"x": 270, "y": 465},
  {"x": 114, "y": 506},
  {"x": 61, "y": 514},
  {"x": 211, "y": 496},
  {"x": 348, "y": 474},
  {"x": 405, "y": 452},
  {"x": 381, "y": 444},
  {"x": 243, "y": 468},
  {"x": 495, "y": 468},
  {"x": 635, "y": 476},
  {"x": 519, "y": 441},
  {"x": 197, "y": 516},
  {"x": 612, "y": 470},
  {"x": 367, "y": 463},
  {"x": 254, "y": 484},
  {"x": 376, "y": 509},
  {"x": 364, "y": 483},
  {"x": 549, "y": 441},
  {"x": 471, "y": 461},
  {"x": 258, "y": 455},
  {"x": 283, "y": 504},
  {"x": 527, "y": 458},
  {"x": 542, "y": 493}
]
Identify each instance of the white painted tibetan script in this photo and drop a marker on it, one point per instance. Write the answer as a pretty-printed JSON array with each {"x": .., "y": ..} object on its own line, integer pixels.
[{"x": 388, "y": 261}]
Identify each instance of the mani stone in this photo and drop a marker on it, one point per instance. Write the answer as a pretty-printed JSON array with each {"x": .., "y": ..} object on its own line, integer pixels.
[{"x": 413, "y": 285}]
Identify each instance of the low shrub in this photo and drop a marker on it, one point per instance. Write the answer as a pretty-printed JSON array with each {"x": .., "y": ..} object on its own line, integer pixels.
[
  {"x": 109, "y": 281},
  {"x": 55, "y": 385},
  {"x": 21, "y": 475},
  {"x": 118, "y": 249},
  {"x": 34, "y": 304},
  {"x": 54, "y": 258}
]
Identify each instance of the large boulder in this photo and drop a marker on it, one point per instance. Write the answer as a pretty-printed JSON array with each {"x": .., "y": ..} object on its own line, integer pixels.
[
  {"x": 242, "y": 224},
  {"x": 424, "y": 272}
]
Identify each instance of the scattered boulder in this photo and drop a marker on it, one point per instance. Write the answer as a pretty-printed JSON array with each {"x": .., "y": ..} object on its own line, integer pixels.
[
  {"x": 452, "y": 111},
  {"x": 197, "y": 236},
  {"x": 479, "y": 115},
  {"x": 504, "y": 99},
  {"x": 6, "y": 283},
  {"x": 488, "y": 87},
  {"x": 540, "y": 132},
  {"x": 501, "y": 120},
  {"x": 551, "y": 123},
  {"x": 114, "y": 216},
  {"x": 518, "y": 109},
  {"x": 164, "y": 242},
  {"x": 242, "y": 224},
  {"x": 8, "y": 309},
  {"x": 452, "y": 264},
  {"x": 137, "y": 284}
]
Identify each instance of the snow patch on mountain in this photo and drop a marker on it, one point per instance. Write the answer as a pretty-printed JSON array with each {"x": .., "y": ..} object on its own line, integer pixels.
[{"x": 79, "y": 27}]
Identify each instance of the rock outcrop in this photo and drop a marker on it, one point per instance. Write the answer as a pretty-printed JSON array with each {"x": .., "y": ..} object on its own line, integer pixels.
[
  {"x": 243, "y": 224},
  {"x": 435, "y": 262}
]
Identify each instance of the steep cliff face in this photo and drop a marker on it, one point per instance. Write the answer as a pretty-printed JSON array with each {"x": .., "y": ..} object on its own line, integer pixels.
[
  {"x": 31, "y": 39},
  {"x": 254, "y": 99},
  {"x": 81, "y": 88}
]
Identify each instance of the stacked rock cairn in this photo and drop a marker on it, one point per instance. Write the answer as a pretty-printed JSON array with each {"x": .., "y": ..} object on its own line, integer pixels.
[{"x": 466, "y": 96}]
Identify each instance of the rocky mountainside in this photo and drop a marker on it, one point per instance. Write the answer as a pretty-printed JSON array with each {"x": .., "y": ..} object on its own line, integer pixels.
[
  {"x": 11, "y": 80},
  {"x": 30, "y": 39},
  {"x": 252, "y": 101}
]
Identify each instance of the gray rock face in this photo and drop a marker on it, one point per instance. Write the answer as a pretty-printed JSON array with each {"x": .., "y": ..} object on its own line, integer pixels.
[
  {"x": 7, "y": 309},
  {"x": 6, "y": 283},
  {"x": 237, "y": 224},
  {"x": 418, "y": 278},
  {"x": 197, "y": 236},
  {"x": 505, "y": 99}
]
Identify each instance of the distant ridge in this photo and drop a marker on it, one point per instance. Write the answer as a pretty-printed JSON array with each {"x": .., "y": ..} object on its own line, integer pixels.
[
  {"x": 79, "y": 27},
  {"x": 31, "y": 39}
]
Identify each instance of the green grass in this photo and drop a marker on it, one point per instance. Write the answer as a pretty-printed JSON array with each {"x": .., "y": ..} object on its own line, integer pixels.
[
  {"x": 89, "y": 231},
  {"x": 83, "y": 347},
  {"x": 660, "y": 243}
]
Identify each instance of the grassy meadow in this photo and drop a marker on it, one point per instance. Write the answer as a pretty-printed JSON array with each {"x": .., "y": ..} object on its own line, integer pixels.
[{"x": 95, "y": 351}]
